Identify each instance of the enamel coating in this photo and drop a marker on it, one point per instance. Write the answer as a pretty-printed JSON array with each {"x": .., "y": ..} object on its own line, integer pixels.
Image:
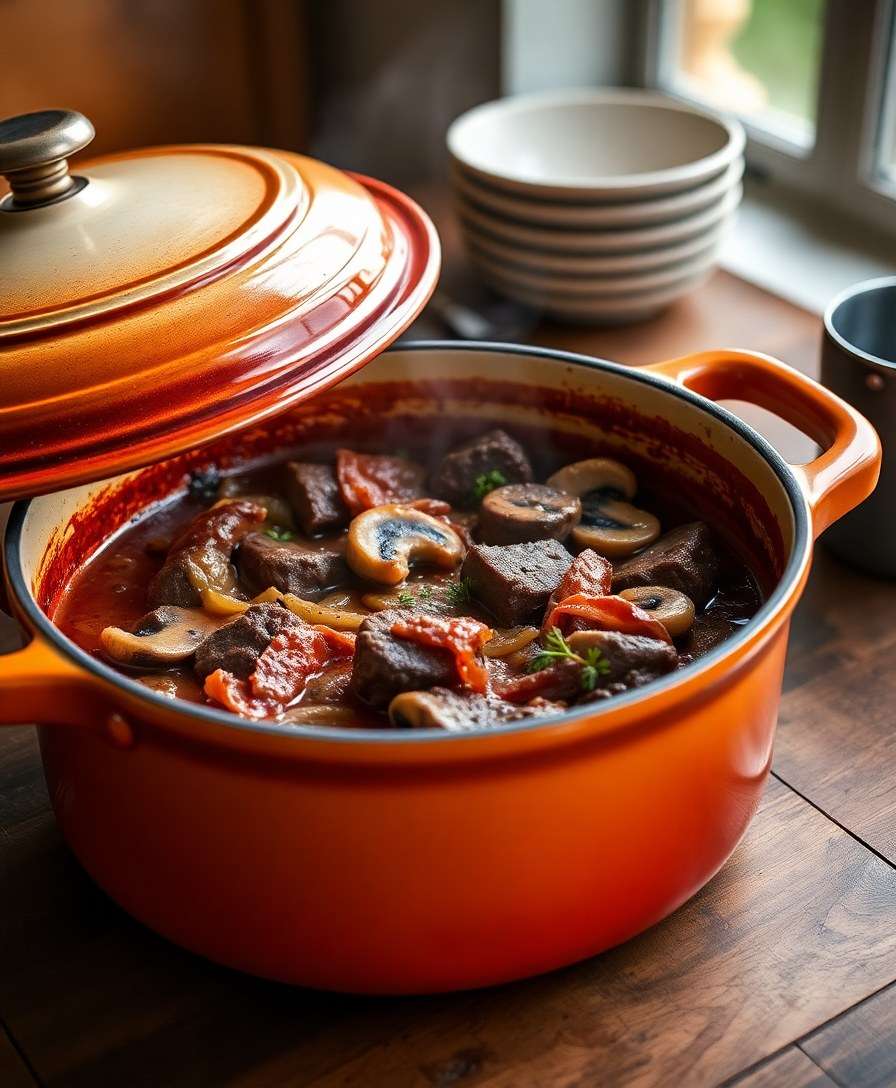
[
  {"x": 401, "y": 862},
  {"x": 186, "y": 292}
]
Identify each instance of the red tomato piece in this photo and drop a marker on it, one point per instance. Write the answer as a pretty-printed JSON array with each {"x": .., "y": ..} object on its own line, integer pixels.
[
  {"x": 461, "y": 636},
  {"x": 589, "y": 573},
  {"x": 372, "y": 479},
  {"x": 579, "y": 612}
]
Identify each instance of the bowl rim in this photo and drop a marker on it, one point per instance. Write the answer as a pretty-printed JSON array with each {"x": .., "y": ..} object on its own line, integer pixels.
[
  {"x": 667, "y": 179},
  {"x": 759, "y": 624},
  {"x": 549, "y": 211},
  {"x": 596, "y": 240}
]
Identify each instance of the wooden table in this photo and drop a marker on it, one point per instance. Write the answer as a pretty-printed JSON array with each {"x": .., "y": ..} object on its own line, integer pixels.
[{"x": 780, "y": 972}]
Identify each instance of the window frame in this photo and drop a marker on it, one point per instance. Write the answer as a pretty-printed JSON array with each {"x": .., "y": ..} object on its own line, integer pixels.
[{"x": 841, "y": 167}]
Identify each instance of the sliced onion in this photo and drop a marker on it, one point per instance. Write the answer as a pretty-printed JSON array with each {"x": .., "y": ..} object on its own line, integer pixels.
[
  {"x": 222, "y": 604},
  {"x": 336, "y": 618},
  {"x": 509, "y": 641}
]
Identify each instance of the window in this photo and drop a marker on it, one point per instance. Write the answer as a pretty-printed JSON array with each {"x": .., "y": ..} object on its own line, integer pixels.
[
  {"x": 814, "y": 82},
  {"x": 759, "y": 59}
]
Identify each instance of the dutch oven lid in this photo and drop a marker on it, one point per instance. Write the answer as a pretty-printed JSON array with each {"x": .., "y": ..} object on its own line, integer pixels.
[{"x": 159, "y": 298}]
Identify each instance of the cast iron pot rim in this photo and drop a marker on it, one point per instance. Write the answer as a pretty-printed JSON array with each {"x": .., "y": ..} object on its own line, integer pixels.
[
  {"x": 875, "y": 284},
  {"x": 798, "y": 555}
]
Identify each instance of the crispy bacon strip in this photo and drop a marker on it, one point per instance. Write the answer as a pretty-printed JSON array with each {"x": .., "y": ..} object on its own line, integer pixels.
[
  {"x": 281, "y": 672},
  {"x": 579, "y": 612},
  {"x": 461, "y": 636},
  {"x": 341, "y": 643},
  {"x": 372, "y": 479}
]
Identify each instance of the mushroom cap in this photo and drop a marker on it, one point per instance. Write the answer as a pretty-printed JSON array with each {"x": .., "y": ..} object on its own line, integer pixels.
[
  {"x": 383, "y": 542},
  {"x": 167, "y": 635},
  {"x": 614, "y": 529},
  {"x": 517, "y": 513},
  {"x": 601, "y": 474}
]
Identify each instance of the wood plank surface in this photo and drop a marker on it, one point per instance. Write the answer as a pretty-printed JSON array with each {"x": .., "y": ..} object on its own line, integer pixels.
[
  {"x": 789, "y": 1069},
  {"x": 796, "y": 929},
  {"x": 13, "y": 1071},
  {"x": 859, "y": 1048},
  {"x": 836, "y": 741}
]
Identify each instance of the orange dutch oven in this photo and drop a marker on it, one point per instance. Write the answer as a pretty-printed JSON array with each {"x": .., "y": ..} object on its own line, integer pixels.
[{"x": 377, "y": 861}]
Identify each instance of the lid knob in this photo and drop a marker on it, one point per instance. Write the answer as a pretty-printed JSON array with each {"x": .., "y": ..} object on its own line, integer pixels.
[{"x": 34, "y": 149}]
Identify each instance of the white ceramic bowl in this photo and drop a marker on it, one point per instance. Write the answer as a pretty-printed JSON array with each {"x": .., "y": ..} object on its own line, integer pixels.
[
  {"x": 593, "y": 241},
  {"x": 634, "y": 213},
  {"x": 599, "y": 264},
  {"x": 593, "y": 144},
  {"x": 600, "y": 309},
  {"x": 620, "y": 285}
]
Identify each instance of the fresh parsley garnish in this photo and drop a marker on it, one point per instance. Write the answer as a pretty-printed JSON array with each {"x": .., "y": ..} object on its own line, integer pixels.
[
  {"x": 593, "y": 663},
  {"x": 488, "y": 481},
  {"x": 424, "y": 593},
  {"x": 458, "y": 593},
  {"x": 277, "y": 532},
  {"x": 406, "y": 597}
]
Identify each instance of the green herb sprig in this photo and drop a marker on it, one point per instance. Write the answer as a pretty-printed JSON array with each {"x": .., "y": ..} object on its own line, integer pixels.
[
  {"x": 486, "y": 482},
  {"x": 458, "y": 593},
  {"x": 593, "y": 663},
  {"x": 277, "y": 532},
  {"x": 405, "y": 597}
]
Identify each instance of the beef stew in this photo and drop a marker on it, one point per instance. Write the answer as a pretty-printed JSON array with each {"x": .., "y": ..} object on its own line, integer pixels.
[{"x": 364, "y": 588}]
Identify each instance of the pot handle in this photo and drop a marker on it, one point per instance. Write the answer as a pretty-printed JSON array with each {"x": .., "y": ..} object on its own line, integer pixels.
[
  {"x": 846, "y": 470},
  {"x": 39, "y": 686}
]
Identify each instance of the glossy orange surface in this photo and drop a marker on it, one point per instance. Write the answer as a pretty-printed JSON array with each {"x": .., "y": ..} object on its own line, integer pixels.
[
  {"x": 411, "y": 862},
  {"x": 187, "y": 292}
]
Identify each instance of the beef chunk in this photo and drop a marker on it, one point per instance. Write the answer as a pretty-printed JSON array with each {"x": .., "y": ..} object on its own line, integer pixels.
[
  {"x": 455, "y": 478},
  {"x": 289, "y": 567},
  {"x": 456, "y": 711},
  {"x": 206, "y": 543},
  {"x": 685, "y": 559},
  {"x": 515, "y": 581},
  {"x": 629, "y": 660},
  {"x": 237, "y": 646},
  {"x": 314, "y": 496},
  {"x": 386, "y": 665}
]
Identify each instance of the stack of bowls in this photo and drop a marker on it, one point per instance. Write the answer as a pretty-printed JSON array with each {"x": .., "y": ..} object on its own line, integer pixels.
[{"x": 599, "y": 206}]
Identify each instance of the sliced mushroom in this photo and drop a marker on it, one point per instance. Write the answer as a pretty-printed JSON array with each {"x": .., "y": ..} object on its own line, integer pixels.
[
  {"x": 608, "y": 478},
  {"x": 384, "y": 541},
  {"x": 518, "y": 513},
  {"x": 441, "y": 708},
  {"x": 164, "y": 636},
  {"x": 612, "y": 528},
  {"x": 674, "y": 610}
]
